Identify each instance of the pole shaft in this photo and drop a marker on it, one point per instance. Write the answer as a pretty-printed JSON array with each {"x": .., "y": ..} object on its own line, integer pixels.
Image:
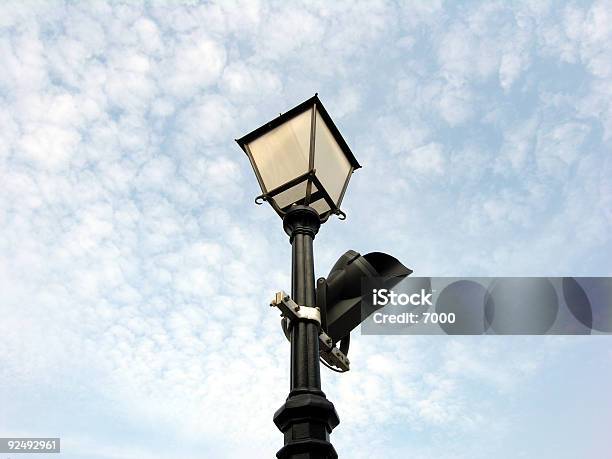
[
  {"x": 307, "y": 417},
  {"x": 305, "y": 374}
]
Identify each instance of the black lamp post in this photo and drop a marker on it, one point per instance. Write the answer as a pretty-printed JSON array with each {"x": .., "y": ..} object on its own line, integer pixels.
[{"x": 303, "y": 166}]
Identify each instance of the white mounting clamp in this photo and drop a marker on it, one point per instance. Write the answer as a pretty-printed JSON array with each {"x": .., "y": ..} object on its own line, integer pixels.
[{"x": 292, "y": 311}]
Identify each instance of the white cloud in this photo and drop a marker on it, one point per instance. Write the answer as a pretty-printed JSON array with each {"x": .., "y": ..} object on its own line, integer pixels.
[
  {"x": 243, "y": 82},
  {"x": 425, "y": 160},
  {"x": 558, "y": 147},
  {"x": 196, "y": 63}
]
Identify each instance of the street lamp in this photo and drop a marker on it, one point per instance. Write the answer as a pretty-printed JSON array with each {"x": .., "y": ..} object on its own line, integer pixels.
[{"x": 303, "y": 166}]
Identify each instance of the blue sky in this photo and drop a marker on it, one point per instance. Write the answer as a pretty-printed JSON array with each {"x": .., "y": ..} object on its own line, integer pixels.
[{"x": 135, "y": 270}]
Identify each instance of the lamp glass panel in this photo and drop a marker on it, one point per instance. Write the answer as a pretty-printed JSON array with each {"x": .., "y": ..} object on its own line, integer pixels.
[
  {"x": 293, "y": 194},
  {"x": 283, "y": 153},
  {"x": 320, "y": 206},
  {"x": 331, "y": 165}
]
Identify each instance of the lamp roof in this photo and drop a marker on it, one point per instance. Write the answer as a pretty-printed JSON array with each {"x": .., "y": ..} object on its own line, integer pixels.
[{"x": 283, "y": 117}]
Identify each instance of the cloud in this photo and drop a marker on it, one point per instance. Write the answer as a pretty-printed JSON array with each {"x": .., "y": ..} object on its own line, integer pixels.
[
  {"x": 426, "y": 160},
  {"x": 196, "y": 62}
]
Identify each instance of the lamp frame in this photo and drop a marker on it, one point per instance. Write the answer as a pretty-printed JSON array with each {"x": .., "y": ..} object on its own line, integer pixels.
[{"x": 317, "y": 109}]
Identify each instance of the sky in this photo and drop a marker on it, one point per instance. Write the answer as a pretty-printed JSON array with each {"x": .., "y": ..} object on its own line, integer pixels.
[{"x": 136, "y": 270}]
